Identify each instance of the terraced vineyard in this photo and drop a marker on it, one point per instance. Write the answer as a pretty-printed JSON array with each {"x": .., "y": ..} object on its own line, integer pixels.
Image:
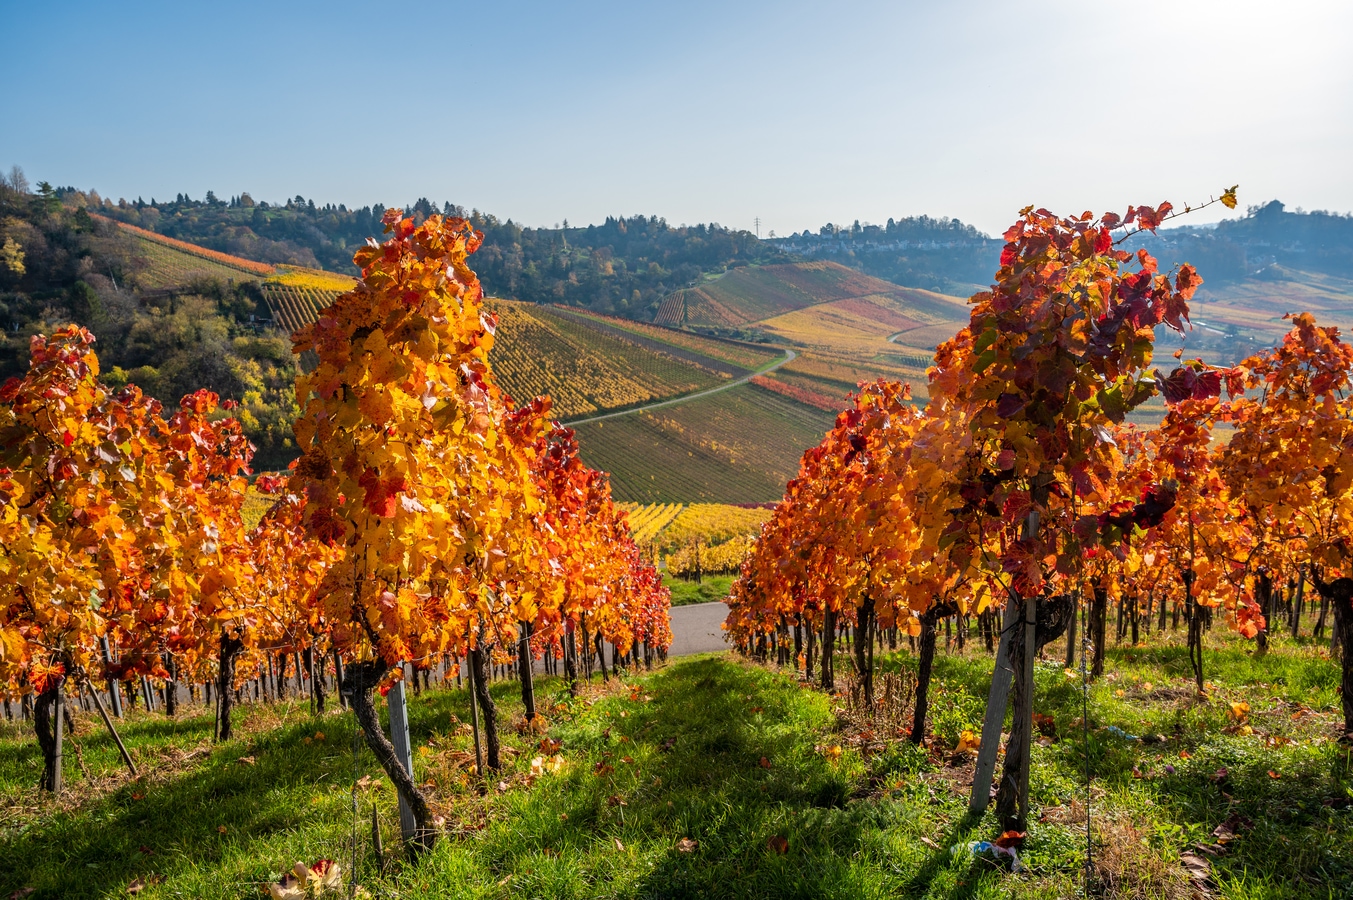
[
  {"x": 738, "y": 446},
  {"x": 754, "y": 293},
  {"x": 168, "y": 266},
  {"x": 830, "y": 374},
  {"x": 582, "y": 368},
  {"x": 860, "y": 326},
  {"x": 668, "y": 526},
  {"x": 745, "y": 356},
  {"x": 294, "y": 305},
  {"x": 648, "y": 520}
]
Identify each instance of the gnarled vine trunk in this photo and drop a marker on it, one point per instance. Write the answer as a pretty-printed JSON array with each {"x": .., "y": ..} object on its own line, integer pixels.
[
  {"x": 1339, "y": 593},
  {"x": 925, "y": 666},
  {"x": 1051, "y": 617},
  {"x": 49, "y": 713},
  {"x": 1098, "y": 624},
  {"x": 479, "y": 665},
  {"x": 225, "y": 684},
  {"x": 359, "y": 680},
  {"x": 863, "y": 650},
  {"x": 828, "y": 648},
  {"x": 528, "y": 689}
]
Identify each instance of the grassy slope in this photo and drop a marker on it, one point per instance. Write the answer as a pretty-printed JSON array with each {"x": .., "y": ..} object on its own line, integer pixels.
[
  {"x": 168, "y": 266},
  {"x": 684, "y": 593},
  {"x": 739, "y": 446},
  {"x": 680, "y": 756}
]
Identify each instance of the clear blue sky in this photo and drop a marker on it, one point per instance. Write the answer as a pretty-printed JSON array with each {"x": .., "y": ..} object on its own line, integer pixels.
[{"x": 800, "y": 113}]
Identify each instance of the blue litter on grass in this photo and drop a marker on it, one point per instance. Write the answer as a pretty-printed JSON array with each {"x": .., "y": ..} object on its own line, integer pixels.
[{"x": 976, "y": 847}]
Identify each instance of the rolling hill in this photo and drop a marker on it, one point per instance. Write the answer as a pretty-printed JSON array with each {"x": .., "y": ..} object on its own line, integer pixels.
[
  {"x": 739, "y": 446},
  {"x": 848, "y": 327}
]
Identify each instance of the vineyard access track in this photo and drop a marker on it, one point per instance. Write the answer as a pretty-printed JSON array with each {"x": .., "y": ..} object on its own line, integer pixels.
[{"x": 765, "y": 370}]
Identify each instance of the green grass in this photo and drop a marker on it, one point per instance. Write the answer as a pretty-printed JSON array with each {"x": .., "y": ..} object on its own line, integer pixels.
[
  {"x": 714, "y": 587},
  {"x": 678, "y": 753}
]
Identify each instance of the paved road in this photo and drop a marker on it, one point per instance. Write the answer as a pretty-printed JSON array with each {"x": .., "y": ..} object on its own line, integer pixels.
[
  {"x": 789, "y": 356},
  {"x": 695, "y": 628}
]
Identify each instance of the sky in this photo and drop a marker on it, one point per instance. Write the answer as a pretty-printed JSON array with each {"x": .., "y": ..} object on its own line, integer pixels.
[{"x": 794, "y": 112}]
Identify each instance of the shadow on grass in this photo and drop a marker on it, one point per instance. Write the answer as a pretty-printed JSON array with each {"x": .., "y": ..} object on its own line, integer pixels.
[{"x": 172, "y": 827}]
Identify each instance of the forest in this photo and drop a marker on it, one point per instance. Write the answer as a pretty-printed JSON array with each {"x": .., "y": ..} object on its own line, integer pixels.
[
  {"x": 623, "y": 266},
  {"x": 59, "y": 264}
]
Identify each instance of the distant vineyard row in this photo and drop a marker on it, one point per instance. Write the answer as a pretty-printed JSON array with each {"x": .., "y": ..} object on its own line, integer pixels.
[
  {"x": 294, "y": 306},
  {"x": 581, "y": 368},
  {"x": 225, "y": 259},
  {"x": 741, "y": 355},
  {"x": 671, "y": 526},
  {"x": 738, "y": 446}
]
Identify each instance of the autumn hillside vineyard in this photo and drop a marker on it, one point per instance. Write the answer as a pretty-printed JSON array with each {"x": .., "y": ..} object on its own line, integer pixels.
[
  {"x": 1020, "y": 485},
  {"x": 427, "y": 519}
]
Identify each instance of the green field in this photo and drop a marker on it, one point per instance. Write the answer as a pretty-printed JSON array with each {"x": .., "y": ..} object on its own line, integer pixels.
[
  {"x": 716, "y": 777},
  {"x": 737, "y": 446},
  {"x": 684, "y": 593}
]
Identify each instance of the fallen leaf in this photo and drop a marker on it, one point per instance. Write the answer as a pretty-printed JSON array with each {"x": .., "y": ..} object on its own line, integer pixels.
[
  {"x": 137, "y": 886},
  {"x": 221, "y": 829},
  {"x": 686, "y": 845},
  {"x": 619, "y": 846},
  {"x": 779, "y": 844},
  {"x": 765, "y": 763},
  {"x": 1233, "y": 825},
  {"x": 929, "y": 843},
  {"x": 968, "y": 742},
  {"x": 1199, "y": 869},
  {"x": 245, "y": 760},
  {"x": 1010, "y": 839},
  {"x": 1273, "y": 774}
]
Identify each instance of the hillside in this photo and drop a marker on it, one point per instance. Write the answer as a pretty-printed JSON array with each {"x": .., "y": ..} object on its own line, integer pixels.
[
  {"x": 169, "y": 317},
  {"x": 848, "y": 327},
  {"x": 739, "y": 446},
  {"x": 751, "y": 294},
  {"x": 624, "y": 265}
]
